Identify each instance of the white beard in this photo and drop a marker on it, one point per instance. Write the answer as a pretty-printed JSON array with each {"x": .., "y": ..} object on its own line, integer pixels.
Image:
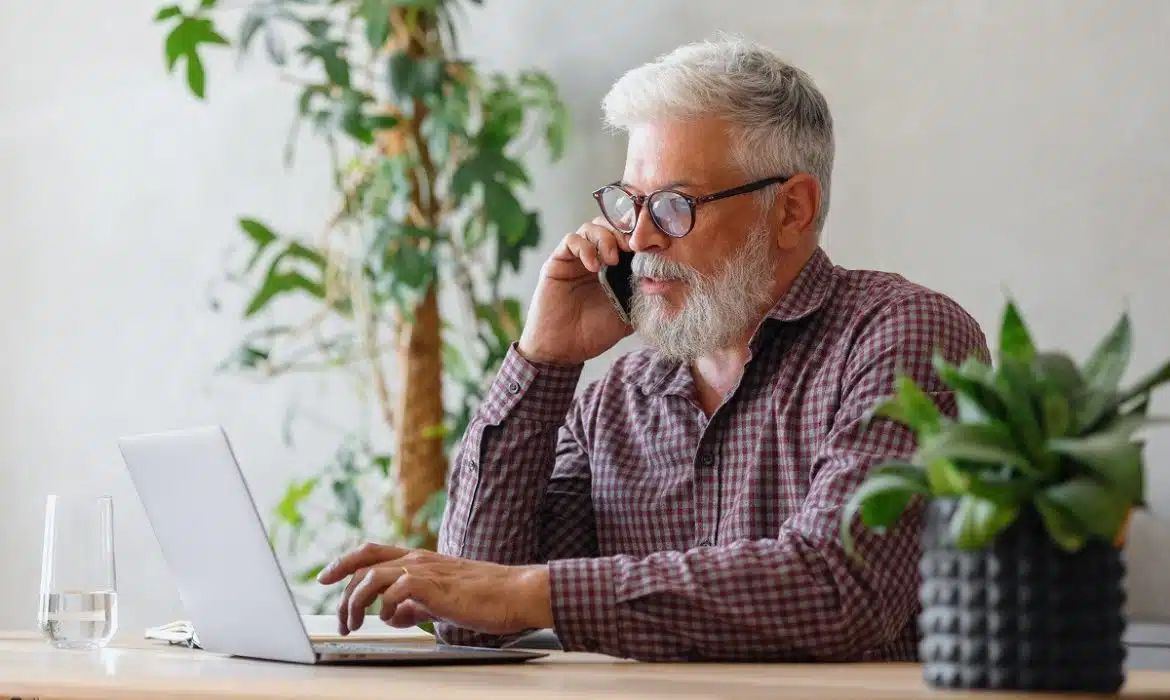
[{"x": 717, "y": 310}]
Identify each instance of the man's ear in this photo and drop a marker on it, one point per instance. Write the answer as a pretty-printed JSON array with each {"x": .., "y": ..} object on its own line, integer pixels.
[{"x": 795, "y": 209}]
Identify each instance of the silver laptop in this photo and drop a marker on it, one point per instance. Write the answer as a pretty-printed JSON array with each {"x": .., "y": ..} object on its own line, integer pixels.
[{"x": 230, "y": 581}]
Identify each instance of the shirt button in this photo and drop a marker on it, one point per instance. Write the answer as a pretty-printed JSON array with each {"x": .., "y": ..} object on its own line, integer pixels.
[
  {"x": 514, "y": 387},
  {"x": 706, "y": 542},
  {"x": 706, "y": 459}
]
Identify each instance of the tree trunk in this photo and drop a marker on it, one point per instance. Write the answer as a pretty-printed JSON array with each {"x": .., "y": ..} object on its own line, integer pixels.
[
  {"x": 422, "y": 464},
  {"x": 419, "y": 455}
]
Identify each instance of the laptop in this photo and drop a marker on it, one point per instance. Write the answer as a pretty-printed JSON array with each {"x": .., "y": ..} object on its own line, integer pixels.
[{"x": 233, "y": 588}]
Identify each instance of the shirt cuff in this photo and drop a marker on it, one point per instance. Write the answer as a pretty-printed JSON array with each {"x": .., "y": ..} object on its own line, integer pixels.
[
  {"x": 584, "y": 605},
  {"x": 536, "y": 391}
]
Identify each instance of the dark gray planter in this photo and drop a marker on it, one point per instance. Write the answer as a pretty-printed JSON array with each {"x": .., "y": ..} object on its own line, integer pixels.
[{"x": 1021, "y": 614}]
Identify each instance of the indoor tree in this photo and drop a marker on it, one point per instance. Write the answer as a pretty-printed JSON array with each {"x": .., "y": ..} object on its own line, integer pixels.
[{"x": 426, "y": 168}]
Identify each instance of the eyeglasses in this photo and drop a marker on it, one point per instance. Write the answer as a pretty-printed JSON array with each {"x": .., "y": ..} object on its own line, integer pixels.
[{"x": 671, "y": 211}]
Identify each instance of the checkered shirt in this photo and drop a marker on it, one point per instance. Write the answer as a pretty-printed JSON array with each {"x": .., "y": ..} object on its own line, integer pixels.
[{"x": 673, "y": 536}]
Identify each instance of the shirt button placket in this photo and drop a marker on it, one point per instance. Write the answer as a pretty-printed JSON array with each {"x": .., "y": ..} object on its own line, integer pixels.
[{"x": 707, "y": 506}]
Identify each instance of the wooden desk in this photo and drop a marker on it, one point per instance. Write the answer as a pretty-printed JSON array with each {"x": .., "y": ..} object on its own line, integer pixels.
[{"x": 132, "y": 670}]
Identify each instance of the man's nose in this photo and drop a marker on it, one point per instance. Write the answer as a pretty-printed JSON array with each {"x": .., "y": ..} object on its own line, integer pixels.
[{"x": 646, "y": 237}]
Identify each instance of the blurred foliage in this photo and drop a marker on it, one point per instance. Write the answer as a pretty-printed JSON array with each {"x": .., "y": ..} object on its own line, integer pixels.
[{"x": 426, "y": 164}]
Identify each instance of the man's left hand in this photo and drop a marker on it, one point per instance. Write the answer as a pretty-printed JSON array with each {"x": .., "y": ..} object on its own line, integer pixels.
[{"x": 418, "y": 585}]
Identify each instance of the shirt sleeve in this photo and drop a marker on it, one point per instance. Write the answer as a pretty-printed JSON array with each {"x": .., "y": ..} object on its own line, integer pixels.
[
  {"x": 519, "y": 484},
  {"x": 797, "y": 596}
]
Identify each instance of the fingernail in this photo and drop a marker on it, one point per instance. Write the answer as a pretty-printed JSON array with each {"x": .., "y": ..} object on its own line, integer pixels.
[{"x": 324, "y": 572}]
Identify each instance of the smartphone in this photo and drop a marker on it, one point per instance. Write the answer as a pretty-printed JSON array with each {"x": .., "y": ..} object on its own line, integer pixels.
[{"x": 618, "y": 284}]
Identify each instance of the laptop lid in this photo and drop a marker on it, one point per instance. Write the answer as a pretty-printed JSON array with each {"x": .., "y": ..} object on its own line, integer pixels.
[{"x": 214, "y": 543}]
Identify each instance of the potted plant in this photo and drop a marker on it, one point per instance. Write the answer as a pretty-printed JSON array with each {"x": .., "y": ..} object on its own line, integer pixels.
[
  {"x": 1026, "y": 493},
  {"x": 429, "y": 171}
]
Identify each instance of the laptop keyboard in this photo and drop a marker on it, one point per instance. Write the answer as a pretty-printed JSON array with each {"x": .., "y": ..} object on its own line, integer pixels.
[{"x": 353, "y": 648}]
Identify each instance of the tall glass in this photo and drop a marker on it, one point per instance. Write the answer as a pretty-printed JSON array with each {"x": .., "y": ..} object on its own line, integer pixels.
[{"x": 79, "y": 598}]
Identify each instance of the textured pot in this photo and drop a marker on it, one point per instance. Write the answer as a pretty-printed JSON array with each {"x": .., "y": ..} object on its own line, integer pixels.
[{"x": 1021, "y": 614}]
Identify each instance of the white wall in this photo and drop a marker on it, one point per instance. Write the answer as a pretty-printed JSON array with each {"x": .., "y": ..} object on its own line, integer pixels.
[{"x": 983, "y": 145}]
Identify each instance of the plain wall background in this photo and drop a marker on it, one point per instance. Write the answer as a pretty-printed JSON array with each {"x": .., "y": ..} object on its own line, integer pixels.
[{"x": 983, "y": 146}]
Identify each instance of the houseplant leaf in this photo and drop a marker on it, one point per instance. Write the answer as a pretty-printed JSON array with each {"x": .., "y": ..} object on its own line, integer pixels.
[
  {"x": 1014, "y": 339},
  {"x": 976, "y": 522},
  {"x": 1091, "y": 504},
  {"x": 882, "y": 499},
  {"x": 1064, "y": 530},
  {"x": 987, "y": 443},
  {"x": 1111, "y": 456},
  {"x": 911, "y": 407}
]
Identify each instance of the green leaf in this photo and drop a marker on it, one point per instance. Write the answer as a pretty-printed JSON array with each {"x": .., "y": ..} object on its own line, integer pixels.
[
  {"x": 1014, "y": 339},
  {"x": 976, "y": 522},
  {"x": 504, "y": 211},
  {"x": 196, "y": 75},
  {"x": 382, "y": 462},
  {"x": 376, "y": 14},
  {"x": 1017, "y": 388},
  {"x": 881, "y": 499},
  {"x": 414, "y": 77},
  {"x": 998, "y": 486},
  {"x": 945, "y": 478},
  {"x": 1096, "y": 509},
  {"x": 911, "y": 407},
  {"x": 1059, "y": 371},
  {"x": 1109, "y": 360},
  {"x": 988, "y": 443},
  {"x": 1066, "y": 531},
  {"x": 276, "y": 284},
  {"x": 976, "y": 391},
  {"x": 1057, "y": 415},
  {"x": 345, "y": 491},
  {"x": 289, "y": 508},
  {"x": 168, "y": 12},
  {"x": 329, "y": 52},
  {"x": 310, "y": 574},
  {"x": 260, "y": 234},
  {"x": 1111, "y": 456},
  {"x": 207, "y": 4},
  {"x": 427, "y": 626},
  {"x": 1146, "y": 384}
]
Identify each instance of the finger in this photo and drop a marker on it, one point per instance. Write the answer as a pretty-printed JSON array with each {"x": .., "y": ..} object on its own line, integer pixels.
[
  {"x": 584, "y": 250},
  {"x": 604, "y": 239},
  {"x": 376, "y": 580},
  {"x": 343, "y": 606},
  {"x": 369, "y": 554},
  {"x": 417, "y": 588},
  {"x": 409, "y": 613},
  {"x": 621, "y": 239}
]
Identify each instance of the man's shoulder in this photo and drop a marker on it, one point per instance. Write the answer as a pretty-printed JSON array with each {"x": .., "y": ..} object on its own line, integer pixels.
[{"x": 887, "y": 307}]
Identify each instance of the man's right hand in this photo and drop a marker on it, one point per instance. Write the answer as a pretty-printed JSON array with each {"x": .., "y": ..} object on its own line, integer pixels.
[{"x": 570, "y": 319}]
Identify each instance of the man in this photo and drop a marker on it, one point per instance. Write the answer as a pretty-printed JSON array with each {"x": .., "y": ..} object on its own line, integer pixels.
[{"x": 688, "y": 504}]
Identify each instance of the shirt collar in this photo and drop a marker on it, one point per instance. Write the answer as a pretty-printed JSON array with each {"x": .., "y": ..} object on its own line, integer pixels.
[{"x": 808, "y": 293}]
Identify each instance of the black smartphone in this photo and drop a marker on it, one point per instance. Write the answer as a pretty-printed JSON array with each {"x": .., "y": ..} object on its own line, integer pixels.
[{"x": 618, "y": 284}]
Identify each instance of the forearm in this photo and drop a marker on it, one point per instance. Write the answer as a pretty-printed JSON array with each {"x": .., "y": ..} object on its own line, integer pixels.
[
  {"x": 504, "y": 463},
  {"x": 778, "y": 599}
]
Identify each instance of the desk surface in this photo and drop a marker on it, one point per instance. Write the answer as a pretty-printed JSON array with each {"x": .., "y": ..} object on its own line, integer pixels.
[{"x": 131, "y": 670}]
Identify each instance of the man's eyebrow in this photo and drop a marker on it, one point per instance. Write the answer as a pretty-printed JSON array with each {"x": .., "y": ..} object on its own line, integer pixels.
[{"x": 666, "y": 186}]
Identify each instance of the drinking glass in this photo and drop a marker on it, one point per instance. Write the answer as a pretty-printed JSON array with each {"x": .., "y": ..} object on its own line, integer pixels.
[{"x": 79, "y": 599}]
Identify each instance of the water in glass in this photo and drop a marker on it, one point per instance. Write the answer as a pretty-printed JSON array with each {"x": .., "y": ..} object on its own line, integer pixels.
[{"x": 79, "y": 598}]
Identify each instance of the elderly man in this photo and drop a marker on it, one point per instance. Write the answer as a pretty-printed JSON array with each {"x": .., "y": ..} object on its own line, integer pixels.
[{"x": 688, "y": 504}]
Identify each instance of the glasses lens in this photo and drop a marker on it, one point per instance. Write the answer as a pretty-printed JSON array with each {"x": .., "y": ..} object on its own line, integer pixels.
[
  {"x": 618, "y": 208},
  {"x": 672, "y": 213}
]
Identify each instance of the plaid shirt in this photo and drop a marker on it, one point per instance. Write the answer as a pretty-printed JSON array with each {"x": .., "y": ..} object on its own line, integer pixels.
[{"x": 673, "y": 536}]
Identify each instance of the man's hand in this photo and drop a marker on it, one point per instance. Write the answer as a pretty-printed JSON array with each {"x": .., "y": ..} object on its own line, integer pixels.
[
  {"x": 570, "y": 319},
  {"x": 419, "y": 585}
]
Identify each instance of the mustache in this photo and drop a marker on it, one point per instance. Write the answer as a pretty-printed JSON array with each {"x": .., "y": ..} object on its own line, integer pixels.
[{"x": 659, "y": 268}]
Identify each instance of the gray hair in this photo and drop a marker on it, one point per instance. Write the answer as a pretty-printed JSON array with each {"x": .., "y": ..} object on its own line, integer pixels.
[{"x": 781, "y": 121}]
